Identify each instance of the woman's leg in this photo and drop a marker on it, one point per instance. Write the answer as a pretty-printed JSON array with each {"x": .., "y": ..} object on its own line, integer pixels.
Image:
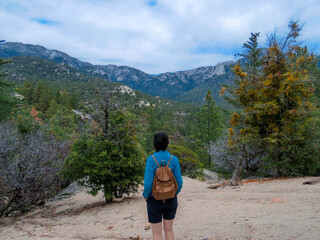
[
  {"x": 168, "y": 229},
  {"x": 157, "y": 231}
]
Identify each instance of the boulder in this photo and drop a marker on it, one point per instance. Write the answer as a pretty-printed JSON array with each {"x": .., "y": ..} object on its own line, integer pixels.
[{"x": 211, "y": 176}]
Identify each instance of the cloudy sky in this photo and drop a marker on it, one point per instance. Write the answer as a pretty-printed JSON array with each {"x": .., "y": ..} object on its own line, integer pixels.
[{"x": 153, "y": 35}]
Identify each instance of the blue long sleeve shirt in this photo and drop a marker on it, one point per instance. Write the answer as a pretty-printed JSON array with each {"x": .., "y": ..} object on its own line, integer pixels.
[{"x": 151, "y": 167}]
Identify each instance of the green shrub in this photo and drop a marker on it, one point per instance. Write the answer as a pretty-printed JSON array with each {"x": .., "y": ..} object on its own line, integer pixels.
[
  {"x": 113, "y": 165},
  {"x": 27, "y": 120},
  {"x": 62, "y": 123},
  {"x": 189, "y": 161}
]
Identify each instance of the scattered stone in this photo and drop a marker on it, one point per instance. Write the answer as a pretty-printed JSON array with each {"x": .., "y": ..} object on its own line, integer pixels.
[
  {"x": 129, "y": 217},
  {"x": 147, "y": 226},
  {"x": 135, "y": 237}
]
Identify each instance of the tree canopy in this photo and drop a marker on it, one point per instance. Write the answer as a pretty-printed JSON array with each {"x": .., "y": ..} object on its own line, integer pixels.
[{"x": 275, "y": 91}]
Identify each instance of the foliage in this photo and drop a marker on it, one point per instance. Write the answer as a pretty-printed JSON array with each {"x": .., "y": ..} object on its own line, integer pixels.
[
  {"x": 113, "y": 165},
  {"x": 6, "y": 101},
  {"x": 27, "y": 120},
  {"x": 275, "y": 91},
  {"x": 210, "y": 125},
  {"x": 62, "y": 123},
  {"x": 189, "y": 161},
  {"x": 157, "y": 119},
  {"x": 29, "y": 168}
]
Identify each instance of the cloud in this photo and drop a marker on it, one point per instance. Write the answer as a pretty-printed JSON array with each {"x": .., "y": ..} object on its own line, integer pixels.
[{"x": 154, "y": 36}]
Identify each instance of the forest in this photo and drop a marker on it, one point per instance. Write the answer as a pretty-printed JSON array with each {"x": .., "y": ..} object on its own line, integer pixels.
[{"x": 53, "y": 133}]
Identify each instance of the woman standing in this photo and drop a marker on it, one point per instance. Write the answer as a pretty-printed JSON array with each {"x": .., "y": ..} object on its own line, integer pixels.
[{"x": 158, "y": 209}]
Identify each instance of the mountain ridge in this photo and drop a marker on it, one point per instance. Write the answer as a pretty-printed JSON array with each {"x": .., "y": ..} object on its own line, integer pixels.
[{"x": 171, "y": 85}]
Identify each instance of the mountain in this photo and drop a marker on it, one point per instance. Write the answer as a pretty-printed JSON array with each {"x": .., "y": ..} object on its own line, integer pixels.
[
  {"x": 13, "y": 49},
  {"x": 61, "y": 76},
  {"x": 186, "y": 86}
]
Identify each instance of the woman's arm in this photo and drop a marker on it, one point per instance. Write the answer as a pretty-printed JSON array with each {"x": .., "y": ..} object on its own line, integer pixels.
[
  {"x": 177, "y": 174},
  {"x": 148, "y": 178}
]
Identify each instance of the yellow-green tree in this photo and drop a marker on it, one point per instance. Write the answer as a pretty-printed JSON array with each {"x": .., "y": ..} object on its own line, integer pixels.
[{"x": 276, "y": 97}]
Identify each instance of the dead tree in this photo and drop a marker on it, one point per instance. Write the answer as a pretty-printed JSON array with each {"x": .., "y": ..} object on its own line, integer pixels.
[
  {"x": 246, "y": 157},
  {"x": 104, "y": 103}
]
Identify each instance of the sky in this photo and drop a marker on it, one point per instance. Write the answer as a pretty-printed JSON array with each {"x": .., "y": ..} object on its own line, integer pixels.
[{"x": 154, "y": 36}]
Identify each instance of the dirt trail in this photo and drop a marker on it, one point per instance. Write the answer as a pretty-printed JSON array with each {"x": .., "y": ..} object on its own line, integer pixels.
[{"x": 280, "y": 209}]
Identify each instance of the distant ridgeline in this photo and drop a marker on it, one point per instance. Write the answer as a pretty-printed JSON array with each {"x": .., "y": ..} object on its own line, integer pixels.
[
  {"x": 185, "y": 86},
  {"x": 60, "y": 76}
]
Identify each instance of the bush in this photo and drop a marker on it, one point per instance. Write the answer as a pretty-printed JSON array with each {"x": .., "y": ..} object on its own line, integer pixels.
[
  {"x": 29, "y": 168},
  {"x": 113, "y": 165},
  {"x": 63, "y": 123},
  {"x": 189, "y": 161}
]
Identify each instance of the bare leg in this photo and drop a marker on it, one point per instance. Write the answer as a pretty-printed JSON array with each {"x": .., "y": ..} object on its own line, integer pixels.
[
  {"x": 168, "y": 229},
  {"x": 157, "y": 231}
]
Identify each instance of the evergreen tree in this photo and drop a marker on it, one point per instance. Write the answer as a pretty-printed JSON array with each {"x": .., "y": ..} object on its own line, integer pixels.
[
  {"x": 6, "y": 101},
  {"x": 27, "y": 90},
  {"x": 42, "y": 96},
  {"x": 276, "y": 97},
  {"x": 109, "y": 158},
  {"x": 210, "y": 124},
  {"x": 113, "y": 164}
]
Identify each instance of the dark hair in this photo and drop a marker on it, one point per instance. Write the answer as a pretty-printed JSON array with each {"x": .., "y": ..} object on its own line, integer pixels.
[{"x": 160, "y": 141}]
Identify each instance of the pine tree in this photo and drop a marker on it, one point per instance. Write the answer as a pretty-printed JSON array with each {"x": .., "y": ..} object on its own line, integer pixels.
[
  {"x": 6, "y": 101},
  {"x": 42, "y": 96},
  {"x": 27, "y": 90},
  {"x": 210, "y": 123}
]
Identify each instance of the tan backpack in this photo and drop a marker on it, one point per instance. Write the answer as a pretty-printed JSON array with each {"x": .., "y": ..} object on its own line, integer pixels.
[{"x": 164, "y": 183}]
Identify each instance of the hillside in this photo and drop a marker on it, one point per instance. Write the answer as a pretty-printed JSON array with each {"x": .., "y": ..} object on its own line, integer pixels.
[
  {"x": 186, "y": 86},
  {"x": 63, "y": 76},
  {"x": 279, "y": 209}
]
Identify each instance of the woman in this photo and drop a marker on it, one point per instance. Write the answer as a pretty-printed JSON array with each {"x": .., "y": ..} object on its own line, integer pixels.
[{"x": 158, "y": 209}]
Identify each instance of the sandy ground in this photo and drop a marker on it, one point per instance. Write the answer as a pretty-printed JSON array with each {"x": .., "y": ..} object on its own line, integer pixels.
[{"x": 279, "y": 209}]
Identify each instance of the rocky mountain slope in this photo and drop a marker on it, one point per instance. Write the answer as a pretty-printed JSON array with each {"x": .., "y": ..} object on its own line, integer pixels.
[
  {"x": 61, "y": 76},
  {"x": 186, "y": 86}
]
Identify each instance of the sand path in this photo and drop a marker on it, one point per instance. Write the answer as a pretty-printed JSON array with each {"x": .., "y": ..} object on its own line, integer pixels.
[{"x": 280, "y": 209}]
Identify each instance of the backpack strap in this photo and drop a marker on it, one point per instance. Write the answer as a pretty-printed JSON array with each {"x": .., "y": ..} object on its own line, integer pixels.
[
  {"x": 169, "y": 160},
  {"x": 155, "y": 160},
  {"x": 161, "y": 162}
]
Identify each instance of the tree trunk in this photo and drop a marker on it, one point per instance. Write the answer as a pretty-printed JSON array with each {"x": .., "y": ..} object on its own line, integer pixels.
[
  {"x": 209, "y": 137},
  {"x": 106, "y": 123},
  {"x": 236, "y": 177}
]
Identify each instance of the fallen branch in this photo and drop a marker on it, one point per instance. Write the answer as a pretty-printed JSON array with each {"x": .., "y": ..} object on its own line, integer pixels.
[
  {"x": 222, "y": 185},
  {"x": 312, "y": 182}
]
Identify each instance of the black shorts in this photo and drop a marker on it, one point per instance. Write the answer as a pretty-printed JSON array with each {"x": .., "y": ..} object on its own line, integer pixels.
[{"x": 158, "y": 209}]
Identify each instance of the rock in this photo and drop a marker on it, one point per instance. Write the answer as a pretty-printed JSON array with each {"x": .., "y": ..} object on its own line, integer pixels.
[
  {"x": 67, "y": 192},
  {"x": 147, "y": 226},
  {"x": 135, "y": 237},
  {"x": 209, "y": 175}
]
